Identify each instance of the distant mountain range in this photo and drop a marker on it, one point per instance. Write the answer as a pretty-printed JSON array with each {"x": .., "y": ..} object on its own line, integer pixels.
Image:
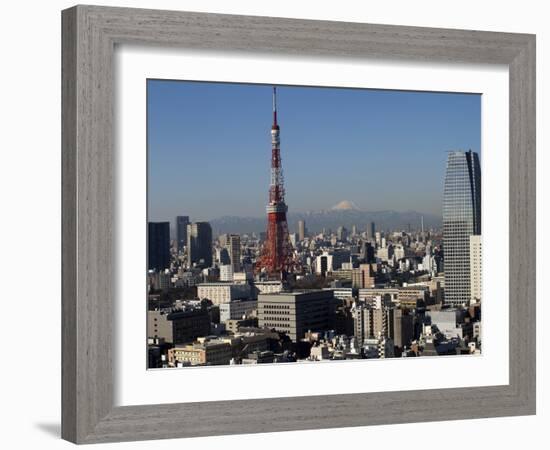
[{"x": 344, "y": 214}]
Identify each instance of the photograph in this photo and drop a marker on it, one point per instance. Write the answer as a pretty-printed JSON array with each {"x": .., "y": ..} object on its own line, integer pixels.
[
  {"x": 259, "y": 224},
  {"x": 293, "y": 224}
]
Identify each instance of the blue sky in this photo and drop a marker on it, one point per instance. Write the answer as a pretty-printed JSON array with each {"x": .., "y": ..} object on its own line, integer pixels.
[{"x": 209, "y": 147}]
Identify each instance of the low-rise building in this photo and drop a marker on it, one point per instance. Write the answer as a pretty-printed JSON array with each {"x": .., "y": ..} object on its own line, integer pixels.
[
  {"x": 223, "y": 292},
  {"x": 343, "y": 293},
  {"x": 389, "y": 293},
  {"x": 295, "y": 313},
  {"x": 207, "y": 352},
  {"x": 267, "y": 287},
  {"x": 237, "y": 309},
  {"x": 409, "y": 296},
  {"x": 234, "y": 325},
  {"x": 381, "y": 347},
  {"x": 343, "y": 274},
  {"x": 179, "y": 326},
  {"x": 447, "y": 320},
  {"x": 319, "y": 352},
  {"x": 247, "y": 276},
  {"x": 243, "y": 344},
  {"x": 259, "y": 357}
]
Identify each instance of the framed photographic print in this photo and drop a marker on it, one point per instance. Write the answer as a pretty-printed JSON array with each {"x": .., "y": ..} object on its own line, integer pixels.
[{"x": 320, "y": 223}]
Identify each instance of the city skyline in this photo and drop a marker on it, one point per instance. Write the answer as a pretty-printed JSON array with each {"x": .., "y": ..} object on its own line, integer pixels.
[
  {"x": 276, "y": 297},
  {"x": 193, "y": 125}
]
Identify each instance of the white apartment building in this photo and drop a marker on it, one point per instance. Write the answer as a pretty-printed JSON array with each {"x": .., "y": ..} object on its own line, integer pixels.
[
  {"x": 475, "y": 268},
  {"x": 329, "y": 261},
  {"x": 223, "y": 292},
  {"x": 268, "y": 287},
  {"x": 226, "y": 272},
  {"x": 237, "y": 309},
  {"x": 343, "y": 293},
  {"x": 399, "y": 252}
]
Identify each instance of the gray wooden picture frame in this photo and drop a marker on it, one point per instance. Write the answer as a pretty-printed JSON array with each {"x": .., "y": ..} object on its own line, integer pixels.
[{"x": 90, "y": 34}]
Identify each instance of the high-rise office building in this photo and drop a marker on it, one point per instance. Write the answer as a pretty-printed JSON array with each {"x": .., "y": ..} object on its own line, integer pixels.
[
  {"x": 461, "y": 219},
  {"x": 475, "y": 268},
  {"x": 223, "y": 239},
  {"x": 222, "y": 256},
  {"x": 199, "y": 244},
  {"x": 384, "y": 321},
  {"x": 342, "y": 233},
  {"x": 301, "y": 230},
  {"x": 233, "y": 245},
  {"x": 367, "y": 252},
  {"x": 293, "y": 239},
  {"x": 368, "y": 322},
  {"x": 158, "y": 245},
  {"x": 181, "y": 231},
  {"x": 400, "y": 327},
  {"x": 226, "y": 272},
  {"x": 363, "y": 277},
  {"x": 429, "y": 262},
  {"x": 371, "y": 231}
]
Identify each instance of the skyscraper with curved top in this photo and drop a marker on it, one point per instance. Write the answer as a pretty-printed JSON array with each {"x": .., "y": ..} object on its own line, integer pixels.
[{"x": 461, "y": 219}]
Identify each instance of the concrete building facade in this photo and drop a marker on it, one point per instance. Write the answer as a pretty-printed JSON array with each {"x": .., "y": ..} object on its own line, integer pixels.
[
  {"x": 301, "y": 230},
  {"x": 223, "y": 292},
  {"x": 296, "y": 313},
  {"x": 237, "y": 309},
  {"x": 475, "y": 269},
  {"x": 226, "y": 272},
  {"x": 234, "y": 248},
  {"x": 178, "y": 327},
  {"x": 211, "y": 353},
  {"x": 363, "y": 277}
]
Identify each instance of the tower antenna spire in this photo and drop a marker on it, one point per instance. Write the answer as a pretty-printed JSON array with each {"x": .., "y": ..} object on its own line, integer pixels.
[{"x": 274, "y": 106}]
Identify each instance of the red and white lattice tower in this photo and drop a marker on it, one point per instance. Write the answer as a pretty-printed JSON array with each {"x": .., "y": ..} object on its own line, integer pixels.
[{"x": 277, "y": 258}]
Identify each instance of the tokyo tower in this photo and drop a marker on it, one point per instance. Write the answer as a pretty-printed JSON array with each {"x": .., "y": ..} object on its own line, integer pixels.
[{"x": 276, "y": 258}]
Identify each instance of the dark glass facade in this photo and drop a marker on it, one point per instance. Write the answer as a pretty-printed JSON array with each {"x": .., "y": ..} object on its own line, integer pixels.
[
  {"x": 199, "y": 244},
  {"x": 158, "y": 251}
]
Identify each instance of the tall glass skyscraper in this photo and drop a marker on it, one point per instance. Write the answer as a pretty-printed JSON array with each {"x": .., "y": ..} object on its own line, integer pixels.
[
  {"x": 199, "y": 244},
  {"x": 158, "y": 238},
  {"x": 181, "y": 231},
  {"x": 461, "y": 219}
]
